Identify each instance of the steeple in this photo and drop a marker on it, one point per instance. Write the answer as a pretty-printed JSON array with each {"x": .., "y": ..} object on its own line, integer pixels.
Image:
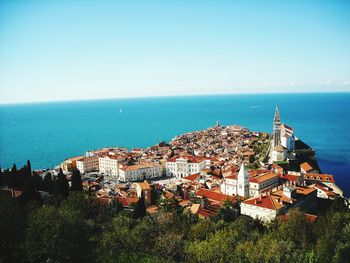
[
  {"x": 276, "y": 128},
  {"x": 277, "y": 117},
  {"x": 243, "y": 182}
]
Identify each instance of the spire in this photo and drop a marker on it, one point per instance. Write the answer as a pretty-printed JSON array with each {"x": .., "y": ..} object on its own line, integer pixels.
[
  {"x": 242, "y": 182},
  {"x": 242, "y": 172},
  {"x": 277, "y": 115}
]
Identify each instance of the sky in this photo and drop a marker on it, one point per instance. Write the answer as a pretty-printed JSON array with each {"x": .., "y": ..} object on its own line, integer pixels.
[{"x": 71, "y": 50}]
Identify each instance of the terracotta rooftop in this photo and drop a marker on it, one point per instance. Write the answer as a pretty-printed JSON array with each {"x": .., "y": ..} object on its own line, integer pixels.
[
  {"x": 219, "y": 197},
  {"x": 306, "y": 167},
  {"x": 192, "y": 177},
  {"x": 263, "y": 177},
  {"x": 138, "y": 166},
  {"x": 320, "y": 177},
  {"x": 144, "y": 186},
  {"x": 189, "y": 158},
  {"x": 277, "y": 199}
]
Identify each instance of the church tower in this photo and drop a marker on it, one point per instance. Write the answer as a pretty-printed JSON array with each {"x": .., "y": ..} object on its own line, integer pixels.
[
  {"x": 242, "y": 182},
  {"x": 276, "y": 128}
]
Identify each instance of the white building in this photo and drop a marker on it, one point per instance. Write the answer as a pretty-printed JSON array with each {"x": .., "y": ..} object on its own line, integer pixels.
[
  {"x": 267, "y": 206},
  {"x": 185, "y": 165},
  {"x": 287, "y": 137},
  {"x": 278, "y": 154},
  {"x": 243, "y": 181},
  {"x": 257, "y": 184},
  {"x": 108, "y": 164},
  {"x": 139, "y": 172},
  {"x": 88, "y": 164}
]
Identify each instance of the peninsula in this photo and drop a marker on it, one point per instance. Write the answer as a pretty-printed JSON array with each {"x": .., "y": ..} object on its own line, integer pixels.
[{"x": 263, "y": 174}]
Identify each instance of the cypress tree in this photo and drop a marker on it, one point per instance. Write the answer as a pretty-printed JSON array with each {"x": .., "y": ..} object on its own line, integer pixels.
[
  {"x": 140, "y": 208},
  {"x": 62, "y": 186},
  {"x": 77, "y": 184},
  {"x": 48, "y": 183},
  {"x": 29, "y": 168}
]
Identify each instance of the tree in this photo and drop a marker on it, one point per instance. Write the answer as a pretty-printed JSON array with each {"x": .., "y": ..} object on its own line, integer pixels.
[
  {"x": 228, "y": 212},
  {"x": 139, "y": 208},
  {"x": 12, "y": 229},
  {"x": 37, "y": 181},
  {"x": 48, "y": 183},
  {"x": 29, "y": 168},
  {"x": 30, "y": 190},
  {"x": 61, "y": 233},
  {"x": 77, "y": 184},
  {"x": 61, "y": 185},
  {"x": 154, "y": 196}
]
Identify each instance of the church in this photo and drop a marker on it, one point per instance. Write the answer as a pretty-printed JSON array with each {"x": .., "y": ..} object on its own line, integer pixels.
[{"x": 283, "y": 140}]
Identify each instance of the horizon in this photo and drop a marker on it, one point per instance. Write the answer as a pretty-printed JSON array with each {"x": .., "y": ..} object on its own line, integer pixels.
[
  {"x": 76, "y": 50},
  {"x": 175, "y": 96}
]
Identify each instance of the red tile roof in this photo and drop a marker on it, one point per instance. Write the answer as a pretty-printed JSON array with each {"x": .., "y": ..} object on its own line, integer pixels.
[
  {"x": 189, "y": 158},
  {"x": 219, "y": 197},
  {"x": 320, "y": 177},
  {"x": 306, "y": 167},
  {"x": 192, "y": 177}
]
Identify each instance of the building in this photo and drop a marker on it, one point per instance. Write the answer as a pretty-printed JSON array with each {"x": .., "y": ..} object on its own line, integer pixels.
[
  {"x": 326, "y": 180},
  {"x": 88, "y": 164},
  {"x": 276, "y": 128},
  {"x": 263, "y": 183},
  {"x": 306, "y": 168},
  {"x": 108, "y": 164},
  {"x": 287, "y": 137},
  {"x": 268, "y": 205},
  {"x": 184, "y": 166},
  {"x": 144, "y": 189},
  {"x": 256, "y": 185},
  {"x": 278, "y": 154},
  {"x": 138, "y": 172},
  {"x": 283, "y": 139},
  {"x": 70, "y": 164}
]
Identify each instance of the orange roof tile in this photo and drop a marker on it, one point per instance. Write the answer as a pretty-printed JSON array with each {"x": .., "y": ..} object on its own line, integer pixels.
[
  {"x": 219, "y": 197},
  {"x": 306, "y": 167},
  {"x": 320, "y": 177}
]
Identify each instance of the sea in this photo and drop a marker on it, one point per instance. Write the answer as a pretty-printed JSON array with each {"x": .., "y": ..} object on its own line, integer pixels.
[{"x": 48, "y": 133}]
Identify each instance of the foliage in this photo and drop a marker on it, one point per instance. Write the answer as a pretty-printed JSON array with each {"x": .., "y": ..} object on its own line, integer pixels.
[
  {"x": 81, "y": 229},
  {"x": 77, "y": 184}
]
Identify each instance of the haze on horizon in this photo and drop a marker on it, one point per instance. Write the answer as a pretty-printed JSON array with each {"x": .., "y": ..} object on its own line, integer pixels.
[{"x": 71, "y": 50}]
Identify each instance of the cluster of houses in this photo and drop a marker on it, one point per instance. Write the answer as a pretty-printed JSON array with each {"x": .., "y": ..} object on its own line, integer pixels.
[{"x": 203, "y": 170}]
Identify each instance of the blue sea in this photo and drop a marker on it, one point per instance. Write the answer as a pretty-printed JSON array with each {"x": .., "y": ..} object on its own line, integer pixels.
[{"x": 47, "y": 133}]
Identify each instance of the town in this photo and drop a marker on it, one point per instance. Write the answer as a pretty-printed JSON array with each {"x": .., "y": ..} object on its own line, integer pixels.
[
  {"x": 263, "y": 175},
  {"x": 207, "y": 196}
]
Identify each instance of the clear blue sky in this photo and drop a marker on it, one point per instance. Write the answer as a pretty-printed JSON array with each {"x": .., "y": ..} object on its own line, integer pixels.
[{"x": 61, "y": 50}]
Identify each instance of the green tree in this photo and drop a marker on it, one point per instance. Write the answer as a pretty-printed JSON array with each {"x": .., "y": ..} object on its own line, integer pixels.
[
  {"x": 12, "y": 229},
  {"x": 77, "y": 184},
  {"x": 28, "y": 169},
  {"x": 61, "y": 234},
  {"x": 139, "y": 208},
  {"x": 48, "y": 183},
  {"x": 61, "y": 185},
  {"x": 228, "y": 212}
]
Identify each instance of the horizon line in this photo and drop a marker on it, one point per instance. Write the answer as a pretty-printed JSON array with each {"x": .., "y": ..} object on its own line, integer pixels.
[{"x": 167, "y": 96}]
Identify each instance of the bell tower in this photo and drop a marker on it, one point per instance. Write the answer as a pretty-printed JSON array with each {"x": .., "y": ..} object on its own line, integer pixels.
[
  {"x": 242, "y": 182},
  {"x": 276, "y": 128}
]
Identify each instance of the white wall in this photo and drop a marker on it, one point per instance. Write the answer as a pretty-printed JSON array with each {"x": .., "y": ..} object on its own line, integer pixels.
[{"x": 258, "y": 212}]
